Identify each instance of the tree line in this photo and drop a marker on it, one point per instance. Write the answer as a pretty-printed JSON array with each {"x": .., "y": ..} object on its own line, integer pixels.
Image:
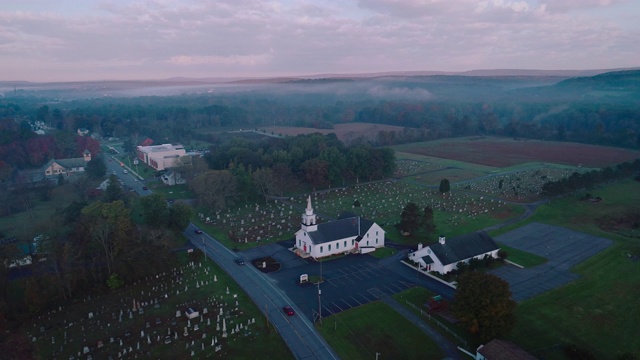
[
  {"x": 242, "y": 170},
  {"x": 588, "y": 180}
]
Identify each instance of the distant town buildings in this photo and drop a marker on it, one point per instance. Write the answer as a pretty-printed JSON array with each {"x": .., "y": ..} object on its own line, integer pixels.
[{"x": 162, "y": 156}]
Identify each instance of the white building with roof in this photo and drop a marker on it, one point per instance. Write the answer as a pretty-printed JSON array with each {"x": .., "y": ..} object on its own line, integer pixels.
[
  {"x": 445, "y": 255},
  {"x": 162, "y": 156},
  {"x": 349, "y": 234}
]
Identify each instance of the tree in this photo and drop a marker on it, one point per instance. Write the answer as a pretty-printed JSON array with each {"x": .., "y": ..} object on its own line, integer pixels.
[
  {"x": 264, "y": 181},
  {"x": 215, "y": 188},
  {"x": 445, "y": 187},
  {"x": 96, "y": 168},
  {"x": 427, "y": 220},
  {"x": 179, "y": 216},
  {"x": 483, "y": 304},
  {"x": 155, "y": 211},
  {"x": 409, "y": 219},
  {"x": 114, "y": 191},
  {"x": 110, "y": 227}
]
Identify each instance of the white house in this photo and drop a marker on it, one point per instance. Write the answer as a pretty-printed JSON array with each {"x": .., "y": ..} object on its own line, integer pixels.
[
  {"x": 350, "y": 234},
  {"x": 162, "y": 156},
  {"x": 445, "y": 255},
  {"x": 173, "y": 178}
]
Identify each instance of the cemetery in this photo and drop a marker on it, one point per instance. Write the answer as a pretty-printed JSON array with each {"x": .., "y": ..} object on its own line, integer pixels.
[
  {"x": 456, "y": 213},
  {"x": 194, "y": 311}
]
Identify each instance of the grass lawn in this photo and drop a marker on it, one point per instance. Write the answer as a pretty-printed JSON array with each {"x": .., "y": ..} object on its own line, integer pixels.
[
  {"x": 522, "y": 258},
  {"x": 384, "y": 252},
  {"x": 171, "y": 192},
  {"x": 182, "y": 292},
  {"x": 418, "y": 296},
  {"x": 360, "y": 332},
  {"x": 28, "y": 224},
  {"x": 598, "y": 312}
]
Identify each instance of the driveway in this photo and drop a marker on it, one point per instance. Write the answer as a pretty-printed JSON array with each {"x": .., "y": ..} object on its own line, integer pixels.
[{"x": 564, "y": 248}]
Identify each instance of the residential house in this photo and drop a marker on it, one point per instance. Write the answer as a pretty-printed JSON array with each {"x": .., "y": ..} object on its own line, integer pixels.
[
  {"x": 349, "y": 234},
  {"x": 82, "y": 131},
  {"x": 445, "y": 255},
  {"x": 502, "y": 350},
  {"x": 173, "y": 178},
  {"x": 67, "y": 166}
]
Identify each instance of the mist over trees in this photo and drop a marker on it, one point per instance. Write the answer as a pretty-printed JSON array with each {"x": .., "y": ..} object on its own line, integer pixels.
[{"x": 602, "y": 109}]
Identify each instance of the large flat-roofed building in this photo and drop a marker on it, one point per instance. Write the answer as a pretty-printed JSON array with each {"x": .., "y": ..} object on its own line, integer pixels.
[{"x": 162, "y": 156}]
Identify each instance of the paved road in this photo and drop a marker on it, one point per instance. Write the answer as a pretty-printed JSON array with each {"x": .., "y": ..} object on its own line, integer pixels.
[
  {"x": 129, "y": 180},
  {"x": 297, "y": 331}
]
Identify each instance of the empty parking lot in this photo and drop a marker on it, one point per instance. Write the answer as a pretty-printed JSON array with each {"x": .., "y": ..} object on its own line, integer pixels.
[{"x": 564, "y": 248}]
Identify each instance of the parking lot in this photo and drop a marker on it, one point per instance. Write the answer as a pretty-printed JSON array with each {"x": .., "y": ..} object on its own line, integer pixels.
[
  {"x": 564, "y": 248},
  {"x": 350, "y": 281}
]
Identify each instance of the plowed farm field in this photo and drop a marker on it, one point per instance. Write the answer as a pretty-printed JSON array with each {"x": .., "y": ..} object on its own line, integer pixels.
[{"x": 505, "y": 152}]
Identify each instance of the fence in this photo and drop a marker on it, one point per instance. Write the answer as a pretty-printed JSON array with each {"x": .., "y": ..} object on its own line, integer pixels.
[{"x": 431, "y": 318}]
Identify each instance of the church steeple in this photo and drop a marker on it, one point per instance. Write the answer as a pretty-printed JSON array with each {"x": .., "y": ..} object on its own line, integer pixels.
[{"x": 309, "y": 218}]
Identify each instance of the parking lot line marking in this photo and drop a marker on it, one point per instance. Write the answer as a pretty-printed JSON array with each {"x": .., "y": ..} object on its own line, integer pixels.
[
  {"x": 355, "y": 300},
  {"x": 334, "y": 304}
]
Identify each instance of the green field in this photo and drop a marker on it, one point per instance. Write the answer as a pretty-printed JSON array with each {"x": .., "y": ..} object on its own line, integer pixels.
[
  {"x": 598, "y": 312},
  {"x": 360, "y": 332},
  {"x": 522, "y": 258}
]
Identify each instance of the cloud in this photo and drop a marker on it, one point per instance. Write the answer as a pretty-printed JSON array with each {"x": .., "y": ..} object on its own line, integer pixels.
[
  {"x": 245, "y": 60},
  {"x": 162, "y": 38}
]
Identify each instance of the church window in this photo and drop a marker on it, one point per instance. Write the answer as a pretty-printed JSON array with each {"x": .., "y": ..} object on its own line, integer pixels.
[
  {"x": 320, "y": 248},
  {"x": 345, "y": 243},
  {"x": 329, "y": 247},
  {"x": 337, "y": 246}
]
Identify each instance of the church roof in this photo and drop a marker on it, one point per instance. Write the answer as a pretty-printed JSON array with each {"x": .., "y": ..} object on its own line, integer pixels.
[
  {"x": 340, "y": 229},
  {"x": 463, "y": 247}
]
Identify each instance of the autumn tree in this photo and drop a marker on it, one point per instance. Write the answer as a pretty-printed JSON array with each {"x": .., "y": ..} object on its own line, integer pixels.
[
  {"x": 409, "y": 219},
  {"x": 264, "y": 181},
  {"x": 483, "y": 304}
]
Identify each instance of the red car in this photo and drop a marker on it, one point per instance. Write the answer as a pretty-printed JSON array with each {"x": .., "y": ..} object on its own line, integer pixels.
[{"x": 288, "y": 310}]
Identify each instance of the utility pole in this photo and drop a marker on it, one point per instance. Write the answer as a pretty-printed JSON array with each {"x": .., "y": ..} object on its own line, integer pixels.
[
  {"x": 377, "y": 353},
  {"x": 319, "y": 304}
]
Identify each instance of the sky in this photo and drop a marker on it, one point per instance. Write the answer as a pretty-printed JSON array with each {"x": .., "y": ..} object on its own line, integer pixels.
[{"x": 75, "y": 40}]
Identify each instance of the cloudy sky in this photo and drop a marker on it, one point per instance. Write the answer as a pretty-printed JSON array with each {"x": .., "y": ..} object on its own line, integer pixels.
[{"x": 69, "y": 40}]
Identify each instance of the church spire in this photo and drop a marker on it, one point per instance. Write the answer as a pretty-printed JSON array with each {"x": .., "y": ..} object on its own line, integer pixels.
[
  {"x": 309, "y": 218},
  {"x": 309, "y": 209}
]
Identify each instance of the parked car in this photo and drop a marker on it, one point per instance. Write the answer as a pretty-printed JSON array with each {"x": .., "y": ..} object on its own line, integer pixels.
[
  {"x": 239, "y": 261},
  {"x": 198, "y": 231},
  {"x": 145, "y": 188},
  {"x": 288, "y": 310},
  {"x": 126, "y": 171}
]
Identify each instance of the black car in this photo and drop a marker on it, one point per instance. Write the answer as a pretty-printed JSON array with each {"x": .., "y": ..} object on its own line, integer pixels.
[
  {"x": 239, "y": 261},
  {"x": 198, "y": 231}
]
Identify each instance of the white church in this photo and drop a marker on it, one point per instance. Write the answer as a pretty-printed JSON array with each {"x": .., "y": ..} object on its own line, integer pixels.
[{"x": 351, "y": 234}]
